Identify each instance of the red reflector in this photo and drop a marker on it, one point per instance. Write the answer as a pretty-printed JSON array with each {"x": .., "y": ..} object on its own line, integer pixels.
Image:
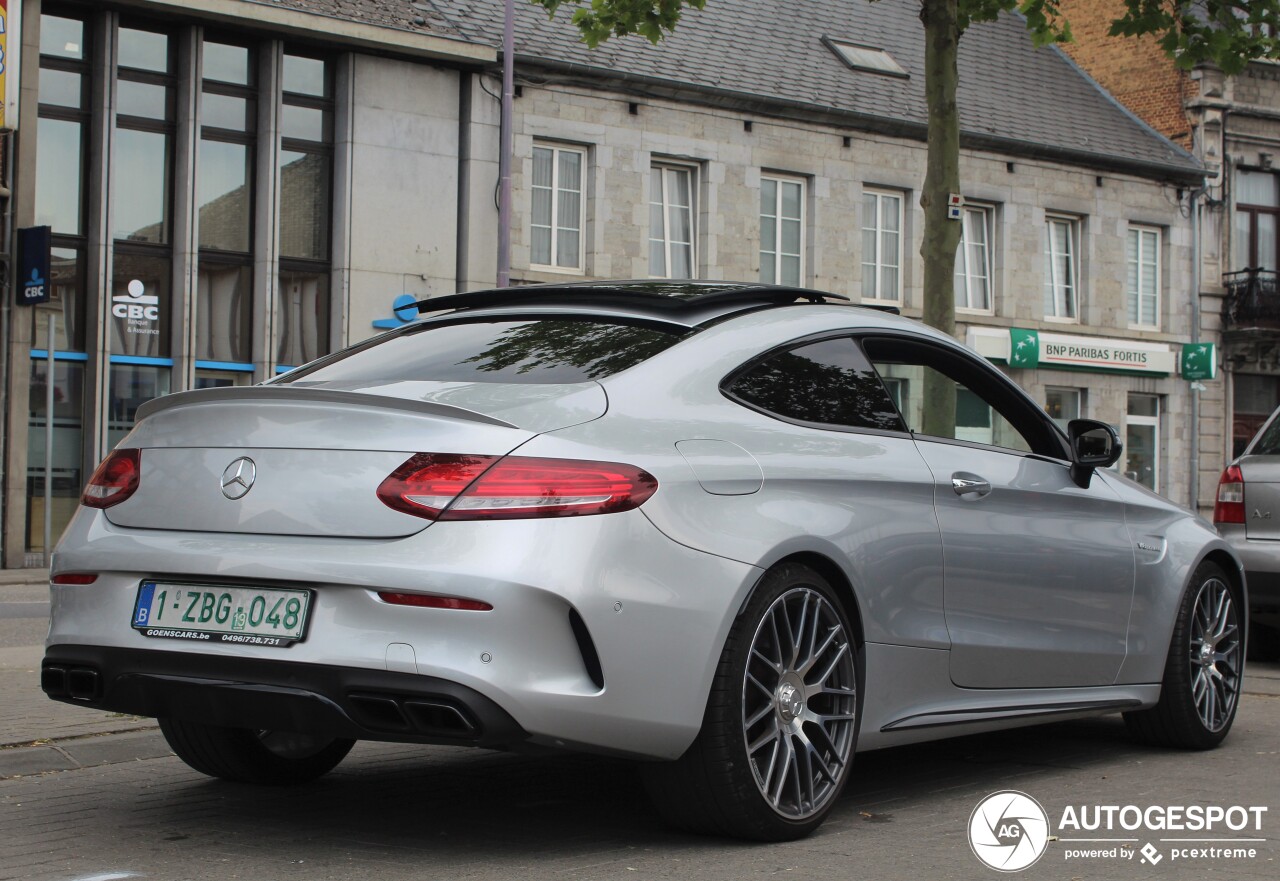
[
  {"x": 427, "y": 601},
  {"x": 1229, "y": 505},
  {"x": 114, "y": 480},
  {"x": 75, "y": 578},
  {"x": 427, "y": 482}
]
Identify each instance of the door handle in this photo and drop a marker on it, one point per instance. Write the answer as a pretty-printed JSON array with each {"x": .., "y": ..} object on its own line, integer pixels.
[{"x": 969, "y": 484}]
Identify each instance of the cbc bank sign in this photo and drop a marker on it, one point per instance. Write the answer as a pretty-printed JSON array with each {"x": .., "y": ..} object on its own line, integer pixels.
[{"x": 139, "y": 309}]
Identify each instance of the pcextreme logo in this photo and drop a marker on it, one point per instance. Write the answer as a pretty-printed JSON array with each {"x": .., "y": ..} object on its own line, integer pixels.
[{"x": 1010, "y": 831}]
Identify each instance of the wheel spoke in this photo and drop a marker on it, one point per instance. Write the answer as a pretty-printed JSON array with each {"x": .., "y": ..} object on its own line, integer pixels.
[
  {"x": 792, "y": 649},
  {"x": 768, "y": 692},
  {"x": 840, "y": 653},
  {"x": 797, "y": 635},
  {"x": 1210, "y": 704},
  {"x": 832, "y": 635},
  {"x": 788, "y": 756},
  {"x": 819, "y": 733},
  {"x": 771, "y": 735},
  {"x": 1223, "y": 607},
  {"x": 773, "y": 665},
  {"x": 759, "y": 714}
]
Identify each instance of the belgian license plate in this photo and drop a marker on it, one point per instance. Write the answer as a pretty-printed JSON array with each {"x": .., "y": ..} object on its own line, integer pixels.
[{"x": 222, "y": 613}]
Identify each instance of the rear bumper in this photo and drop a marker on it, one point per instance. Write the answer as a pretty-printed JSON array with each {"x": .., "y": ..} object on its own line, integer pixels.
[
  {"x": 277, "y": 695},
  {"x": 603, "y": 634},
  {"x": 1261, "y": 561}
]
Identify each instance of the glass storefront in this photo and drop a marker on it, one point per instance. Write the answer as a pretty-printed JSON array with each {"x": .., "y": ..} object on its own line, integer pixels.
[
  {"x": 169, "y": 318},
  {"x": 68, "y": 439}
]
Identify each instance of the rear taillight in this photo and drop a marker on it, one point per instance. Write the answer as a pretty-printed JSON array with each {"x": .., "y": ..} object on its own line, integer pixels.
[
  {"x": 427, "y": 482},
  {"x": 1229, "y": 507},
  {"x": 449, "y": 487},
  {"x": 114, "y": 481}
]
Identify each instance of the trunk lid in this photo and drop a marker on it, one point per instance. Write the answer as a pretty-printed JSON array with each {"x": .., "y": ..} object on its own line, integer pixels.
[{"x": 314, "y": 455}]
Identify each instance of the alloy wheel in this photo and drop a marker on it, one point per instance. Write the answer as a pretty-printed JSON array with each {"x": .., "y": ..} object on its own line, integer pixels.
[
  {"x": 799, "y": 702},
  {"x": 1215, "y": 654}
]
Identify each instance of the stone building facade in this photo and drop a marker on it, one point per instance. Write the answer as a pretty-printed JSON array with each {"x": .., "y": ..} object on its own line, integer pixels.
[
  {"x": 278, "y": 176},
  {"x": 1232, "y": 125}
]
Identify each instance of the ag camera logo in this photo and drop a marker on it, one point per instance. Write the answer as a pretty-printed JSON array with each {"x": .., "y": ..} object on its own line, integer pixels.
[{"x": 1008, "y": 831}]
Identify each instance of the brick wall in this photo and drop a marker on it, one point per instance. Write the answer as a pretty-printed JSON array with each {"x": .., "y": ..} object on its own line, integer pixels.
[{"x": 1134, "y": 70}]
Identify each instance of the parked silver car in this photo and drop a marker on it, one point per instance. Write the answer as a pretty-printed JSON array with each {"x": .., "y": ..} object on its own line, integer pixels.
[
  {"x": 1247, "y": 514},
  {"x": 737, "y": 532}
]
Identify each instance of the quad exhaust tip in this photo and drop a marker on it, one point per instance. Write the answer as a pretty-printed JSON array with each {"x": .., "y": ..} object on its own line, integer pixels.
[{"x": 76, "y": 683}]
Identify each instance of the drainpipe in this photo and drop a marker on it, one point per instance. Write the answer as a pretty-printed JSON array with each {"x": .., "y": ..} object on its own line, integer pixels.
[
  {"x": 505, "y": 146},
  {"x": 1193, "y": 495}
]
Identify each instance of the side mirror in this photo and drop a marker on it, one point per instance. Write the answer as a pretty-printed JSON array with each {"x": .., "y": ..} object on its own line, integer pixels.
[{"x": 1093, "y": 445}]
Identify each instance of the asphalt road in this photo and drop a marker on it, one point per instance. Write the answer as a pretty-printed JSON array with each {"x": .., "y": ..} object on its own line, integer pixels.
[{"x": 103, "y": 806}]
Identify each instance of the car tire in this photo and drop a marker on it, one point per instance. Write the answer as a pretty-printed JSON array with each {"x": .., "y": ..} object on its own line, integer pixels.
[
  {"x": 785, "y": 689},
  {"x": 242, "y": 755},
  {"x": 1203, "y": 673}
]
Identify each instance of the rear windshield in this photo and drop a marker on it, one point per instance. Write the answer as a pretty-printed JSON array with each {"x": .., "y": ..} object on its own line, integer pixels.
[
  {"x": 1268, "y": 443},
  {"x": 526, "y": 351}
]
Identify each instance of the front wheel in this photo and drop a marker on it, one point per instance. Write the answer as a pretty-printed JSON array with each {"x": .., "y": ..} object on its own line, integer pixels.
[
  {"x": 244, "y": 755},
  {"x": 778, "y": 735},
  {"x": 1203, "y": 673}
]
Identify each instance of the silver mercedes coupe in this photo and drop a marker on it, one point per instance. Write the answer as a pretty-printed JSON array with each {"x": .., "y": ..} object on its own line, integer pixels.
[{"x": 733, "y": 531}]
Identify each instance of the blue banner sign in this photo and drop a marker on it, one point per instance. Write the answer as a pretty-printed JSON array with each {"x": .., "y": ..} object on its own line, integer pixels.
[{"x": 33, "y": 265}]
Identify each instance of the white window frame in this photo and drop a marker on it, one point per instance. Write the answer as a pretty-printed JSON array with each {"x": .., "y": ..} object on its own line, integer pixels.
[
  {"x": 987, "y": 216},
  {"x": 665, "y": 166},
  {"x": 1067, "y": 309},
  {"x": 1135, "y": 296},
  {"x": 1131, "y": 419},
  {"x": 556, "y": 151},
  {"x": 781, "y": 181},
  {"x": 876, "y": 227}
]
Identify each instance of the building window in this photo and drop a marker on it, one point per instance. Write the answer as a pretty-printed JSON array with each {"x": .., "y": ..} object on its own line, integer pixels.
[
  {"x": 61, "y": 178},
  {"x": 558, "y": 208},
  {"x": 1063, "y": 405},
  {"x": 1256, "y": 215},
  {"x": 306, "y": 173},
  {"x": 973, "y": 260},
  {"x": 882, "y": 246},
  {"x": 1253, "y": 399},
  {"x": 781, "y": 231},
  {"x": 1143, "y": 280},
  {"x": 225, "y": 207},
  {"x": 1142, "y": 440},
  {"x": 671, "y": 214},
  {"x": 141, "y": 195},
  {"x": 1061, "y": 251}
]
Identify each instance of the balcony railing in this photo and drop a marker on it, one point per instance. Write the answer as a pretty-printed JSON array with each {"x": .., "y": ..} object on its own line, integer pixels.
[{"x": 1251, "y": 301}]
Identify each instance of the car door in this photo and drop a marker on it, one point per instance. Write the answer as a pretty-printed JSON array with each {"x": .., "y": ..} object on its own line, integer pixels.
[{"x": 1038, "y": 571}]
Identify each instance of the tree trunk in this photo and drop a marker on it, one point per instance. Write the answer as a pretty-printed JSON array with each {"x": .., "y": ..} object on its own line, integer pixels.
[{"x": 942, "y": 177}]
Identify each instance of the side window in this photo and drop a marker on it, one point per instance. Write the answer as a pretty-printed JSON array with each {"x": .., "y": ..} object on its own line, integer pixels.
[
  {"x": 941, "y": 395},
  {"x": 828, "y": 383}
]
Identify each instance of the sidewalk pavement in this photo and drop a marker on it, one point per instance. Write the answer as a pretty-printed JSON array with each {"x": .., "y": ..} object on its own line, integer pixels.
[
  {"x": 38, "y": 735},
  {"x": 22, "y": 578}
]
